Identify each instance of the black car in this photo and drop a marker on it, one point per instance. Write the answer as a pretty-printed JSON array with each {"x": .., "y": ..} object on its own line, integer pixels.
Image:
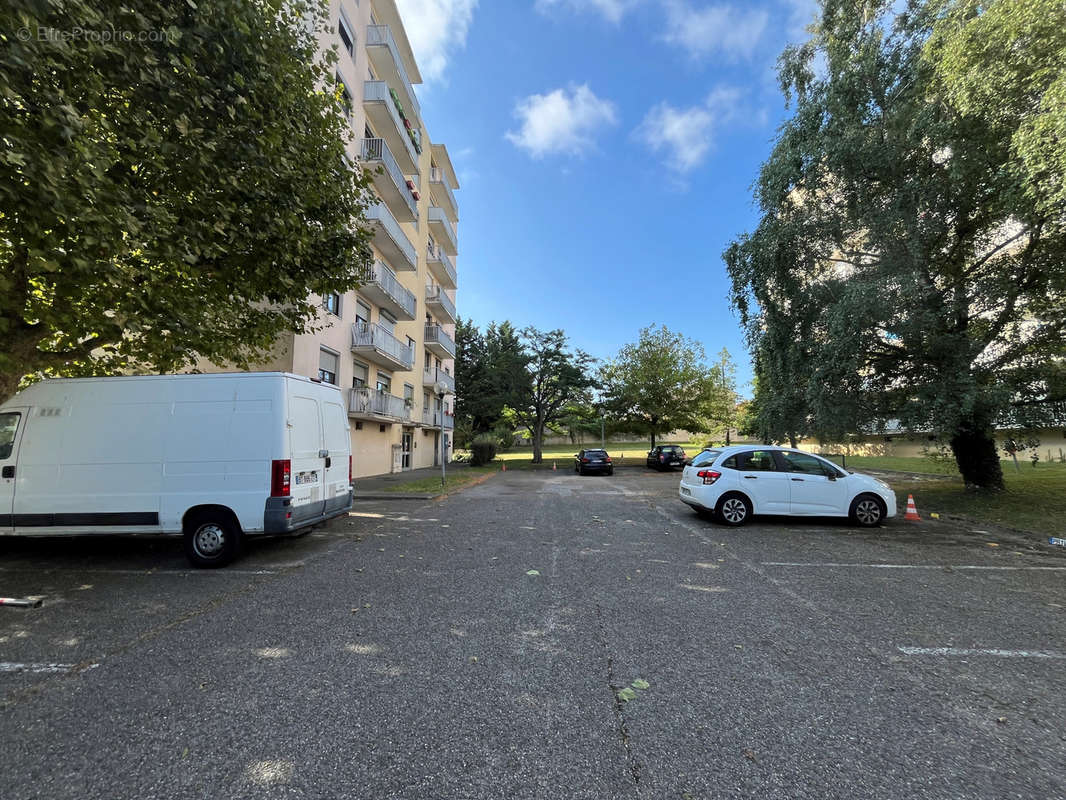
[
  {"x": 593, "y": 461},
  {"x": 666, "y": 456}
]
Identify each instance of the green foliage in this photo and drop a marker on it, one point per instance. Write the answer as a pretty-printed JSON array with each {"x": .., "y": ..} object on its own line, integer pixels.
[
  {"x": 489, "y": 374},
  {"x": 661, "y": 384},
  {"x": 483, "y": 449},
  {"x": 554, "y": 378},
  {"x": 903, "y": 267},
  {"x": 179, "y": 192}
]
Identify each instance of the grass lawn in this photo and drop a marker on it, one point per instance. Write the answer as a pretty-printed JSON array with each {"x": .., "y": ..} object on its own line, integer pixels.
[
  {"x": 925, "y": 466},
  {"x": 455, "y": 479},
  {"x": 1035, "y": 499}
]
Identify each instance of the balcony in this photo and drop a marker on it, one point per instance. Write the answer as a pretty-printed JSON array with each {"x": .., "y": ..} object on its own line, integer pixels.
[
  {"x": 378, "y": 284},
  {"x": 440, "y": 304},
  {"x": 385, "y": 119},
  {"x": 443, "y": 231},
  {"x": 438, "y": 342},
  {"x": 389, "y": 180},
  {"x": 441, "y": 193},
  {"x": 385, "y": 56},
  {"x": 366, "y": 403},
  {"x": 376, "y": 344},
  {"x": 432, "y": 376},
  {"x": 390, "y": 239},
  {"x": 434, "y": 419},
  {"x": 440, "y": 266}
]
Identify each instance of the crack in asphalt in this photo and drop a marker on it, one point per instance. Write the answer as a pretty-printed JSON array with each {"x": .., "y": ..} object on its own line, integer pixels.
[{"x": 623, "y": 730}]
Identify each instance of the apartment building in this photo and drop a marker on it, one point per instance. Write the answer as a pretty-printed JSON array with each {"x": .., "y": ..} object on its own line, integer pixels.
[{"x": 390, "y": 344}]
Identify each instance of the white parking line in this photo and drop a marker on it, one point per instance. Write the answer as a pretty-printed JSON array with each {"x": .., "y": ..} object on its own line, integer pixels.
[
  {"x": 182, "y": 572},
  {"x": 912, "y": 566},
  {"x": 11, "y": 666},
  {"x": 963, "y": 651}
]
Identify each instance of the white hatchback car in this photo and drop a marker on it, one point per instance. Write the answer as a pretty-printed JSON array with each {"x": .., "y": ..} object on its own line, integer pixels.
[{"x": 733, "y": 483}]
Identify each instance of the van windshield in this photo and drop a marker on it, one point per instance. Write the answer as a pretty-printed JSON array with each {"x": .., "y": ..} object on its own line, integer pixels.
[{"x": 9, "y": 423}]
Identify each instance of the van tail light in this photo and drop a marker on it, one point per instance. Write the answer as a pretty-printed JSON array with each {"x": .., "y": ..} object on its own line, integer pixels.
[
  {"x": 709, "y": 476},
  {"x": 349, "y": 469},
  {"x": 280, "y": 477}
]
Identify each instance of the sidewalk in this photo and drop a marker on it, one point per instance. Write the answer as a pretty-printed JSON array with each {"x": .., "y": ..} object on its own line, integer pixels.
[{"x": 374, "y": 487}]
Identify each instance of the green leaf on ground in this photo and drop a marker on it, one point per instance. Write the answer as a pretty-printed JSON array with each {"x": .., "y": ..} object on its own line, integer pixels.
[
  {"x": 533, "y": 572},
  {"x": 626, "y": 694},
  {"x": 640, "y": 683}
]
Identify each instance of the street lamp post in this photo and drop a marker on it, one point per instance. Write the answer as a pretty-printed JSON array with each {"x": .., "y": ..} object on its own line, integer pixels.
[{"x": 441, "y": 389}]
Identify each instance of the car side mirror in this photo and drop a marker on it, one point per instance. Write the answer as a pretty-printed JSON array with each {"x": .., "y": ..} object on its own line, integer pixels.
[{"x": 831, "y": 475}]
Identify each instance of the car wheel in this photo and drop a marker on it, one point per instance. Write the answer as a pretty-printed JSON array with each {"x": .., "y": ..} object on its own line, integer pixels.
[
  {"x": 733, "y": 509},
  {"x": 610, "y": 471},
  {"x": 867, "y": 510},
  {"x": 580, "y": 470},
  {"x": 211, "y": 540}
]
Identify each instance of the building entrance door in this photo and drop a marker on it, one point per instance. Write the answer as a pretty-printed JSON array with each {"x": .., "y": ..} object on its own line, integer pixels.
[{"x": 405, "y": 448}]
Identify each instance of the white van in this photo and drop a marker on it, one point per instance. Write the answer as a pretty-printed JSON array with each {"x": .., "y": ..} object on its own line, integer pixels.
[{"x": 214, "y": 457}]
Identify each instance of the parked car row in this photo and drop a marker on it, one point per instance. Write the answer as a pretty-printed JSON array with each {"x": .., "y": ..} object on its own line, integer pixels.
[{"x": 732, "y": 484}]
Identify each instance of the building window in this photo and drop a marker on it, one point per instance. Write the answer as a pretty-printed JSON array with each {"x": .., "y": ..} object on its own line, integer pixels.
[
  {"x": 384, "y": 382},
  {"x": 362, "y": 313},
  {"x": 387, "y": 321},
  {"x": 360, "y": 375},
  {"x": 344, "y": 30},
  {"x": 327, "y": 366},
  {"x": 332, "y": 303},
  {"x": 346, "y": 95}
]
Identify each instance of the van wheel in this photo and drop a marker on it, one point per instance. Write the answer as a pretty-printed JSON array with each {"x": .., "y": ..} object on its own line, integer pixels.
[
  {"x": 211, "y": 541},
  {"x": 733, "y": 509}
]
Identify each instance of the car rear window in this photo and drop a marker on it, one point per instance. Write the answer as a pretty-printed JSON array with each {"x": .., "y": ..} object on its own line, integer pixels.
[
  {"x": 595, "y": 452},
  {"x": 705, "y": 457}
]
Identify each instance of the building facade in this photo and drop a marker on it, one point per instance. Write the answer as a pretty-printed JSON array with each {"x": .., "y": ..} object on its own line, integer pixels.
[{"x": 390, "y": 344}]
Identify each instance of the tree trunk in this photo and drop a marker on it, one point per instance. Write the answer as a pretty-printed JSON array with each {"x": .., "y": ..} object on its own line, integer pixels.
[
  {"x": 653, "y": 440},
  {"x": 975, "y": 454},
  {"x": 792, "y": 440},
  {"x": 9, "y": 384},
  {"x": 538, "y": 441}
]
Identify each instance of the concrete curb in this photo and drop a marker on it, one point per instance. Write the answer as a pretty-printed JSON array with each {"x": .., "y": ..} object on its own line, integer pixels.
[
  {"x": 393, "y": 496},
  {"x": 475, "y": 482}
]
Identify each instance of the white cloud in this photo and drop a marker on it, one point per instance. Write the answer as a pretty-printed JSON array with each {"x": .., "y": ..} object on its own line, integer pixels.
[
  {"x": 733, "y": 32},
  {"x": 561, "y": 121},
  {"x": 684, "y": 136},
  {"x": 612, "y": 10},
  {"x": 436, "y": 29}
]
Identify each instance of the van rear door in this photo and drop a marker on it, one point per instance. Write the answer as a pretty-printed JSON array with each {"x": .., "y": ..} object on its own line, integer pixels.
[
  {"x": 308, "y": 457},
  {"x": 338, "y": 444},
  {"x": 12, "y": 422}
]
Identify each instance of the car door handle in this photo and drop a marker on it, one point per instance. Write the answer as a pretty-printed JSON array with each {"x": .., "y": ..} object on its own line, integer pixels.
[
  {"x": 798, "y": 479},
  {"x": 751, "y": 477},
  {"x": 9, "y": 472}
]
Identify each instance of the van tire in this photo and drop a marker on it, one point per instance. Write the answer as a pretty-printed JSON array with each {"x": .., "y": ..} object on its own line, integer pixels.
[{"x": 211, "y": 540}]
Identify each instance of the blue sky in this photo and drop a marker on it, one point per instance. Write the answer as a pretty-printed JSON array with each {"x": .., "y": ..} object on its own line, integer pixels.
[{"x": 605, "y": 151}]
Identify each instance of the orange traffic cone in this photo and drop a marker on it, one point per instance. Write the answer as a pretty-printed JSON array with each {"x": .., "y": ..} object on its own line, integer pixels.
[
  {"x": 912, "y": 512},
  {"x": 554, "y": 467},
  {"x": 503, "y": 468}
]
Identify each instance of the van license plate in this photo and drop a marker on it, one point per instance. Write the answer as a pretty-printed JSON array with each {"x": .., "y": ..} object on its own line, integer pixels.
[{"x": 306, "y": 477}]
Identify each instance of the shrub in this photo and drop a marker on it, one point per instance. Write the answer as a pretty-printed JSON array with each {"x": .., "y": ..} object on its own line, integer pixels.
[{"x": 482, "y": 449}]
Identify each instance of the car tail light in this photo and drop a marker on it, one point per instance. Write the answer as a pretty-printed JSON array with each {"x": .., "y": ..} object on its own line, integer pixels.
[
  {"x": 608, "y": 459},
  {"x": 709, "y": 476},
  {"x": 662, "y": 458},
  {"x": 584, "y": 461},
  {"x": 280, "y": 477}
]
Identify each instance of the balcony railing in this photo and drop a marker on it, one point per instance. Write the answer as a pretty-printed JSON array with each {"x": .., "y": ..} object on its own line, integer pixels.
[
  {"x": 383, "y": 278},
  {"x": 433, "y": 376},
  {"x": 435, "y": 335},
  {"x": 436, "y": 295},
  {"x": 441, "y": 266},
  {"x": 376, "y": 151},
  {"x": 380, "y": 213},
  {"x": 442, "y": 227},
  {"x": 366, "y": 402},
  {"x": 438, "y": 184},
  {"x": 437, "y": 419},
  {"x": 378, "y": 338},
  {"x": 376, "y": 95},
  {"x": 381, "y": 36}
]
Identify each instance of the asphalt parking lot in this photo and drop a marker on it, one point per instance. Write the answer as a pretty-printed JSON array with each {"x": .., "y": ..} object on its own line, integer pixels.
[{"x": 541, "y": 635}]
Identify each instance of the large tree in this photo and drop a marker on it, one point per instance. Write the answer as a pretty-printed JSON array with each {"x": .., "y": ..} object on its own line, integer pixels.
[
  {"x": 172, "y": 183},
  {"x": 661, "y": 383},
  {"x": 899, "y": 245},
  {"x": 490, "y": 376},
  {"x": 557, "y": 378}
]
